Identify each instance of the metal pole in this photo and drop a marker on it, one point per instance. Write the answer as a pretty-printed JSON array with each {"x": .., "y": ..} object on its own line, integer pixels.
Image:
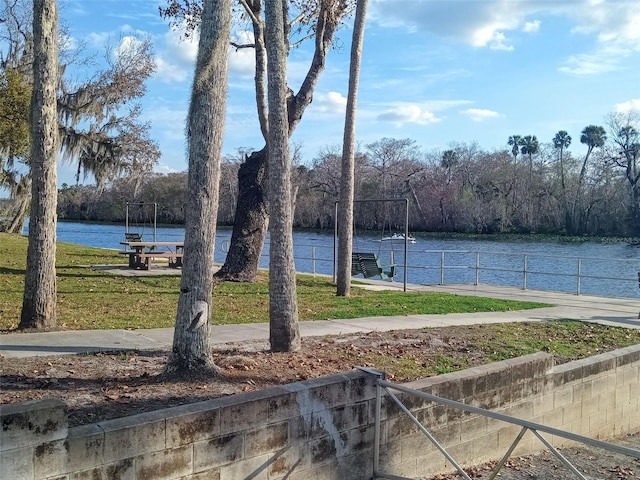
[
  {"x": 578, "y": 279},
  {"x": 524, "y": 273},
  {"x": 155, "y": 221},
  {"x": 313, "y": 259},
  {"x": 442, "y": 268},
  {"x": 477, "y": 268},
  {"x": 406, "y": 241},
  {"x": 335, "y": 242},
  {"x": 126, "y": 221}
]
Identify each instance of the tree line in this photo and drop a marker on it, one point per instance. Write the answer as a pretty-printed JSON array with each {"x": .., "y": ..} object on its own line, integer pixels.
[{"x": 529, "y": 187}]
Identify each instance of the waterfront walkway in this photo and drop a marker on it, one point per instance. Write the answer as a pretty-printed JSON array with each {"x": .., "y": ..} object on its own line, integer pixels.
[{"x": 620, "y": 312}]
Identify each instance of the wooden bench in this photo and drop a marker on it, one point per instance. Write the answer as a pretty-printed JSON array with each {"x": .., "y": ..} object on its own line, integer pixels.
[
  {"x": 144, "y": 261},
  {"x": 368, "y": 265}
]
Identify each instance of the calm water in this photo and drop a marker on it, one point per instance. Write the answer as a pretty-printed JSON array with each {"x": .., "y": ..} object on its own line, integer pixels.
[{"x": 549, "y": 265}]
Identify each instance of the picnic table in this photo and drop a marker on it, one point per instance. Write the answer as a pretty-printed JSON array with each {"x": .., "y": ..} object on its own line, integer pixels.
[{"x": 141, "y": 254}]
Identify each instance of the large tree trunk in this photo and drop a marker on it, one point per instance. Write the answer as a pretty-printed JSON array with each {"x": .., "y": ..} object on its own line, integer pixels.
[
  {"x": 251, "y": 222},
  {"x": 284, "y": 334},
  {"x": 345, "y": 212},
  {"x": 39, "y": 301},
  {"x": 191, "y": 350}
]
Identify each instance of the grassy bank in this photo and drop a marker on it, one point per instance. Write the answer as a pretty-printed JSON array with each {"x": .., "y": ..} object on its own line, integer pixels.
[{"x": 93, "y": 299}]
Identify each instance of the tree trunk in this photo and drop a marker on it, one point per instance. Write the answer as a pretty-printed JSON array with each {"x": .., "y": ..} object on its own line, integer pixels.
[
  {"x": 39, "y": 301},
  {"x": 345, "y": 211},
  {"x": 191, "y": 350},
  {"x": 20, "y": 212},
  {"x": 251, "y": 221},
  {"x": 284, "y": 334}
]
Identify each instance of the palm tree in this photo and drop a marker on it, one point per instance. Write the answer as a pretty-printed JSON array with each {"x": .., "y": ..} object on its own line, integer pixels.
[
  {"x": 450, "y": 159},
  {"x": 561, "y": 141},
  {"x": 284, "y": 334},
  {"x": 39, "y": 300},
  {"x": 514, "y": 142},
  {"x": 593, "y": 136},
  {"x": 345, "y": 219},
  {"x": 205, "y": 128},
  {"x": 529, "y": 146}
]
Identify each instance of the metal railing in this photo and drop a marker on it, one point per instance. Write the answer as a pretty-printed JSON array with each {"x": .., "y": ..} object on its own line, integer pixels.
[
  {"x": 574, "y": 267},
  {"x": 447, "y": 267},
  {"x": 535, "y": 428}
]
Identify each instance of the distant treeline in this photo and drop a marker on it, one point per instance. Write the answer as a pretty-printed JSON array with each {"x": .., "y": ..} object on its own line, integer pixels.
[{"x": 464, "y": 190}]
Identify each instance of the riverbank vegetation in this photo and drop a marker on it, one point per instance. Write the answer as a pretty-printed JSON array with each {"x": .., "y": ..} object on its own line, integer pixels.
[
  {"x": 95, "y": 299},
  {"x": 465, "y": 189}
]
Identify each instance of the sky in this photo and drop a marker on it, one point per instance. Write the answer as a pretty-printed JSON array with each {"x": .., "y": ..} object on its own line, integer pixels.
[{"x": 434, "y": 71}]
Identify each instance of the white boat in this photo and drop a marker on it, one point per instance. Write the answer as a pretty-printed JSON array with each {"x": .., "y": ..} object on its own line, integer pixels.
[{"x": 399, "y": 237}]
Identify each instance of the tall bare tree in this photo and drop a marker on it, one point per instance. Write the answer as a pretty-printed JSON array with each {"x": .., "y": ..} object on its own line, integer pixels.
[
  {"x": 624, "y": 153},
  {"x": 317, "y": 19},
  {"x": 205, "y": 129},
  {"x": 345, "y": 212},
  {"x": 284, "y": 334},
  {"x": 39, "y": 300}
]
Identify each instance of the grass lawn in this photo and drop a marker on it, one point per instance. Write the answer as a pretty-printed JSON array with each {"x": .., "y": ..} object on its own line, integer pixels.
[{"x": 91, "y": 299}]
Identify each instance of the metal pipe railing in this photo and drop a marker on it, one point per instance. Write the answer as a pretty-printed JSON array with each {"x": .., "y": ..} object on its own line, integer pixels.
[
  {"x": 535, "y": 428},
  {"x": 524, "y": 271},
  {"x": 319, "y": 257}
]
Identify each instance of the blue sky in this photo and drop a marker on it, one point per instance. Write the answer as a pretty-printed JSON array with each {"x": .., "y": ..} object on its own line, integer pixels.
[{"x": 435, "y": 71}]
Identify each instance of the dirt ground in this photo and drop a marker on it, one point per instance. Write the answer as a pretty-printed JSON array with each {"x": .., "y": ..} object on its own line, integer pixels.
[{"x": 111, "y": 385}]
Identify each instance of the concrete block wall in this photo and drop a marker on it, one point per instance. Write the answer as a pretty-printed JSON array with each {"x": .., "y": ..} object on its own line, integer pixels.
[
  {"x": 323, "y": 429},
  {"x": 595, "y": 397},
  {"x": 312, "y": 430}
]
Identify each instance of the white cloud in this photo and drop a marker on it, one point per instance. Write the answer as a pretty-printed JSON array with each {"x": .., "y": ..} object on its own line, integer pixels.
[
  {"x": 330, "y": 102},
  {"x": 589, "y": 64},
  {"x": 532, "y": 27},
  {"x": 164, "y": 169},
  {"x": 97, "y": 39},
  {"x": 242, "y": 60},
  {"x": 613, "y": 24},
  {"x": 409, "y": 113},
  {"x": 477, "y": 23},
  {"x": 126, "y": 46},
  {"x": 628, "y": 106},
  {"x": 480, "y": 114},
  {"x": 497, "y": 41},
  {"x": 176, "y": 56}
]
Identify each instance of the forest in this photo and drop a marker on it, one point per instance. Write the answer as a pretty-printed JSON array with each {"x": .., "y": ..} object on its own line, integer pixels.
[{"x": 528, "y": 187}]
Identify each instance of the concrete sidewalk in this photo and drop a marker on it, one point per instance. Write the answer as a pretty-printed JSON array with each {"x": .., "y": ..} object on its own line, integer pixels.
[{"x": 619, "y": 312}]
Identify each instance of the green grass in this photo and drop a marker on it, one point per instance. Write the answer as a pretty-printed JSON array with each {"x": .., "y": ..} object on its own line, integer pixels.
[
  {"x": 91, "y": 299},
  {"x": 406, "y": 355},
  {"x": 565, "y": 339}
]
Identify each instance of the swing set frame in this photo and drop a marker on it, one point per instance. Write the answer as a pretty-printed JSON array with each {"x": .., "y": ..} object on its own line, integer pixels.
[
  {"x": 406, "y": 233},
  {"x": 142, "y": 205}
]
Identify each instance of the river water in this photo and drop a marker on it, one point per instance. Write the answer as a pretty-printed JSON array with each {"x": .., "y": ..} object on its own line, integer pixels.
[{"x": 606, "y": 269}]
